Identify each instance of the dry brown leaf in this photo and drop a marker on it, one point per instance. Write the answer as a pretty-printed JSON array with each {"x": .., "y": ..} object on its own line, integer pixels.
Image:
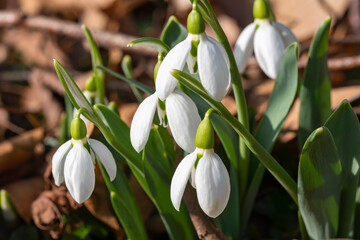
[
  {"x": 304, "y": 17},
  {"x": 229, "y": 26},
  {"x": 17, "y": 151},
  {"x": 127, "y": 112},
  {"x": 291, "y": 124},
  {"x": 39, "y": 48},
  {"x": 23, "y": 193},
  {"x": 94, "y": 18}
]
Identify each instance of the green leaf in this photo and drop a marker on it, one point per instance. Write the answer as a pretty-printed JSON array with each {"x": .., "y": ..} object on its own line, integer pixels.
[
  {"x": 139, "y": 85},
  {"x": 154, "y": 43},
  {"x": 173, "y": 32},
  {"x": 124, "y": 204},
  {"x": 28, "y": 232},
  {"x": 121, "y": 133},
  {"x": 344, "y": 127},
  {"x": 270, "y": 125},
  {"x": 357, "y": 216},
  {"x": 319, "y": 185},
  {"x": 96, "y": 61},
  {"x": 315, "y": 105},
  {"x": 158, "y": 168}
]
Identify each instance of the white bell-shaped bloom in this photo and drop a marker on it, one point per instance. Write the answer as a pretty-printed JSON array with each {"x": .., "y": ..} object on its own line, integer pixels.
[
  {"x": 202, "y": 54},
  {"x": 209, "y": 177},
  {"x": 74, "y": 163},
  {"x": 181, "y": 114},
  {"x": 268, "y": 39}
]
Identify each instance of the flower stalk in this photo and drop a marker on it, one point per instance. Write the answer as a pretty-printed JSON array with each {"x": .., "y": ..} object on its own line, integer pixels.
[{"x": 239, "y": 94}]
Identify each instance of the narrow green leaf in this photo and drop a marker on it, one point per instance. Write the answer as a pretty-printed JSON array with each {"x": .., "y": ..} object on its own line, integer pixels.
[
  {"x": 315, "y": 105},
  {"x": 319, "y": 185},
  {"x": 173, "y": 32},
  {"x": 344, "y": 127},
  {"x": 270, "y": 125},
  {"x": 124, "y": 204},
  {"x": 139, "y": 85},
  {"x": 154, "y": 43},
  {"x": 158, "y": 170},
  {"x": 122, "y": 134},
  {"x": 96, "y": 61}
]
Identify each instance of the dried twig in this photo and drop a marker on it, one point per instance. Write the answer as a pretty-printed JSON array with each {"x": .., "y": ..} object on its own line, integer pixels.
[
  {"x": 103, "y": 38},
  {"x": 204, "y": 226},
  {"x": 336, "y": 64}
]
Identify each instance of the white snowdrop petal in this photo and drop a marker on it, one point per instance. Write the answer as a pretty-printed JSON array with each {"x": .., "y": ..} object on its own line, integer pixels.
[
  {"x": 183, "y": 118},
  {"x": 180, "y": 178},
  {"x": 268, "y": 48},
  {"x": 213, "y": 68},
  {"x": 79, "y": 173},
  {"x": 212, "y": 184},
  {"x": 175, "y": 59},
  {"x": 141, "y": 122},
  {"x": 58, "y": 162},
  {"x": 244, "y": 46},
  {"x": 105, "y": 156},
  {"x": 286, "y": 34}
]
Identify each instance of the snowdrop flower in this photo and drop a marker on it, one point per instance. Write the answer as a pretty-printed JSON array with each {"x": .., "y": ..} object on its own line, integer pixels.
[
  {"x": 74, "y": 162},
  {"x": 181, "y": 114},
  {"x": 207, "y": 172},
  {"x": 202, "y": 54},
  {"x": 267, "y": 38}
]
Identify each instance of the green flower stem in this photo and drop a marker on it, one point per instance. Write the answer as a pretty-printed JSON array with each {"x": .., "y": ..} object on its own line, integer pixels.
[
  {"x": 238, "y": 93},
  {"x": 258, "y": 150}
]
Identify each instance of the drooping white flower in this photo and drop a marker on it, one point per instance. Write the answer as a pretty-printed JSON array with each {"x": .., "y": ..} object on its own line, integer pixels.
[
  {"x": 209, "y": 177},
  {"x": 179, "y": 112},
  {"x": 74, "y": 162},
  {"x": 267, "y": 38},
  {"x": 202, "y": 54},
  {"x": 206, "y": 171}
]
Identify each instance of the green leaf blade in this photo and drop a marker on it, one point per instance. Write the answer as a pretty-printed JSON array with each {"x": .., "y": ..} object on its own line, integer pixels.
[
  {"x": 158, "y": 170},
  {"x": 173, "y": 32},
  {"x": 270, "y": 125},
  {"x": 124, "y": 204},
  {"x": 315, "y": 105},
  {"x": 319, "y": 182},
  {"x": 344, "y": 127}
]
